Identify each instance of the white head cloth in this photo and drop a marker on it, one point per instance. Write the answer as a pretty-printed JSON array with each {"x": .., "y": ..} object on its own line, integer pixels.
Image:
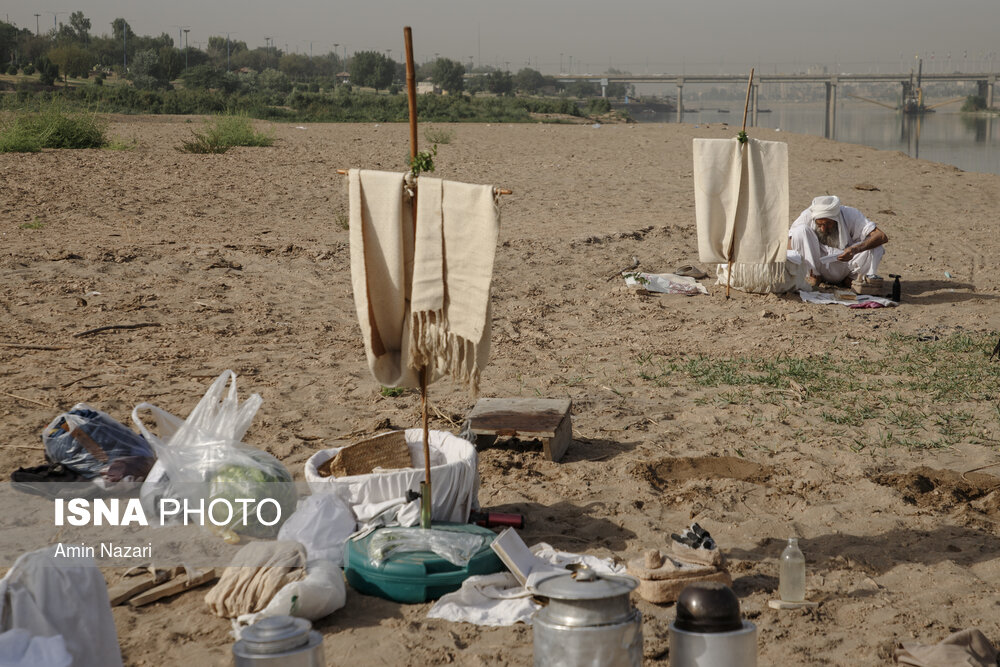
[{"x": 825, "y": 207}]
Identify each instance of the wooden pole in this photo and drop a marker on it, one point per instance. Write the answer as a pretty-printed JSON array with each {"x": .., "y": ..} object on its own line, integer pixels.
[
  {"x": 411, "y": 95},
  {"x": 732, "y": 241},
  {"x": 746, "y": 104}
]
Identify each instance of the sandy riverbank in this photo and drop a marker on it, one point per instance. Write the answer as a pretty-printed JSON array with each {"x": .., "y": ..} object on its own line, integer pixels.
[{"x": 242, "y": 259}]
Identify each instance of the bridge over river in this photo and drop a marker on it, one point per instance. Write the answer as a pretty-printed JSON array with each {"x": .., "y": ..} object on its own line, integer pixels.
[{"x": 985, "y": 80}]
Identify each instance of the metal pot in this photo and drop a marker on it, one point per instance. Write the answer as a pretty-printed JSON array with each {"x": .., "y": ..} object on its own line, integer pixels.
[
  {"x": 279, "y": 641},
  {"x": 587, "y": 620},
  {"x": 709, "y": 630}
]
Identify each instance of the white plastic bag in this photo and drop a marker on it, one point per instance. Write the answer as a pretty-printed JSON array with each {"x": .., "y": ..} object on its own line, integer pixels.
[
  {"x": 321, "y": 593},
  {"x": 321, "y": 524},
  {"x": 18, "y": 648},
  {"x": 203, "y": 457},
  {"x": 48, "y": 595}
]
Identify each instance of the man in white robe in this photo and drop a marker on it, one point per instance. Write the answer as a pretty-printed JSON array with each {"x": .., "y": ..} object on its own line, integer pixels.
[{"x": 838, "y": 243}]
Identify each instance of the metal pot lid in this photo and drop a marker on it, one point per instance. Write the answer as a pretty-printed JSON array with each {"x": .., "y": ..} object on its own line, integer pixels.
[
  {"x": 708, "y": 607},
  {"x": 586, "y": 584},
  {"x": 276, "y": 634}
]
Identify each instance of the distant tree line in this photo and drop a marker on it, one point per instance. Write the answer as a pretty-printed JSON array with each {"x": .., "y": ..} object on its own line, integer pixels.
[{"x": 152, "y": 63}]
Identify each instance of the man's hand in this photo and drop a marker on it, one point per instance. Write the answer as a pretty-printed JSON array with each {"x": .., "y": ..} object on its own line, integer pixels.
[
  {"x": 850, "y": 253},
  {"x": 875, "y": 238}
]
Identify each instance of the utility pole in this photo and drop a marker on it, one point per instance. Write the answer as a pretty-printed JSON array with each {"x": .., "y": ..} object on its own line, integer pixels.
[
  {"x": 267, "y": 51},
  {"x": 36, "y": 25},
  {"x": 186, "y": 31}
]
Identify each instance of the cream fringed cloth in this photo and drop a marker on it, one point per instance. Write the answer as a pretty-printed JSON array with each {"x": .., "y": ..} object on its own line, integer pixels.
[
  {"x": 422, "y": 298},
  {"x": 741, "y": 192}
]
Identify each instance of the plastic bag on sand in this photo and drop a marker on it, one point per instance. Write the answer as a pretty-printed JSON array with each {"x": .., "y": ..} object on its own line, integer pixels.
[
  {"x": 322, "y": 524},
  {"x": 204, "y": 458},
  {"x": 89, "y": 442},
  {"x": 19, "y": 649},
  {"x": 455, "y": 547},
  {"x": 321, "y": 593},
  {"x": 48, "y": 595}
]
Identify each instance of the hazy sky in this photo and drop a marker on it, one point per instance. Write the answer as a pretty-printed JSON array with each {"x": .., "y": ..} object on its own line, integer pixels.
[{"x": 641, "y": 36}]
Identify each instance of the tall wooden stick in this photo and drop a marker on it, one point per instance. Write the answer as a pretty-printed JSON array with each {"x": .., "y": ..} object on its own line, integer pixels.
[
  {"x": 746, "y": 105},
  {"x": 732, "y": 241},
  {"x": 411, "y": 95}
]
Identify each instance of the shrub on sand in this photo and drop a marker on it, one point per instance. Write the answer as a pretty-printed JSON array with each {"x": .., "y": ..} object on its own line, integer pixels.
[
  {"x": 224, "y": 132},
  {"x": 30, "y": 132}
]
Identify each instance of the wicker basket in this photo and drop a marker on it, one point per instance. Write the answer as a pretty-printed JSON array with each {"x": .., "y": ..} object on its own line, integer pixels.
[{"x": 386, "y": 450}]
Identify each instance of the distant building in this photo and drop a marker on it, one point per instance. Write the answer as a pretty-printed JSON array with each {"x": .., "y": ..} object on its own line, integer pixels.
[{"x": 427, "y": 88}]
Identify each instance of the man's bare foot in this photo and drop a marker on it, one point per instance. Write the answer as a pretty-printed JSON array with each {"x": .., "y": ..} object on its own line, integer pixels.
[{"x": 812, "y": 280}]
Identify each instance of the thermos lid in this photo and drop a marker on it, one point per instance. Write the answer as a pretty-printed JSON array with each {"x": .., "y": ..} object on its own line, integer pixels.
[
  {"x": 708, "y": 607},
  {"x": 585, "y": 584},
  {"x": 276, "y": 634}
]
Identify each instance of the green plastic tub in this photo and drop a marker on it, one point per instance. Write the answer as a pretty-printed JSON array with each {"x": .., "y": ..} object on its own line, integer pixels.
[{"x": 416, "y": 576}]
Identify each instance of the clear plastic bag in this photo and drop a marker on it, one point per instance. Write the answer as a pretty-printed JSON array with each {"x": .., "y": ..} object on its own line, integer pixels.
[
  {"x": 203, "y": 458},
  {"x": 457, "y": 548}
]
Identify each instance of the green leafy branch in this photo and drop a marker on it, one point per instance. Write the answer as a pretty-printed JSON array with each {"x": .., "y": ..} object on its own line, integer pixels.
[{"x": 423, "y": 161}]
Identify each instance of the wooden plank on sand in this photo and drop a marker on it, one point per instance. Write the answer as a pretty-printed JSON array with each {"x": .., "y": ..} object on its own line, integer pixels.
[{"x": 178, "y": 585}]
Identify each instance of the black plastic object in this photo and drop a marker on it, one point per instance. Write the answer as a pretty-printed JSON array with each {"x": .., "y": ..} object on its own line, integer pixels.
[
  {"x": 895, "y": 287},
  {"x": 708, "y": 607}
]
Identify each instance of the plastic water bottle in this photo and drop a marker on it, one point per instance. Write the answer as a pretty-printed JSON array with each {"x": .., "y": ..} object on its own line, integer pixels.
[{"x": 792, "y": 576}]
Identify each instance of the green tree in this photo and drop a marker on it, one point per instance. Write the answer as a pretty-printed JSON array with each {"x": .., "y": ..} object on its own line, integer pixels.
[
  {"x": 372, "y": 69},
  {"x": 120, "y": 28},
  {"x": 47, "y": 71},
  {"x": 71, "y": 60},
  {"x": 206, "y": 77},
  {"x": 219, "y": 46},
  {"x": 147, "y": 72},
  {"x": 272, "y": 79},
  {"x": 500, "y": 83},
  {"x": 12, "y": 43},
  {"x": 296, "y": 66},
  {"x": 530, "y": 81},
  {"x": 81, "y": 25},
  {"x": 172, "y": 62},
  {"x": 449, "y": 75}
]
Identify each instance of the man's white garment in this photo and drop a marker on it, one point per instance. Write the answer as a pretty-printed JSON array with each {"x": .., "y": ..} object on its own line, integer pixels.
[{"x": 853, "y": 228}]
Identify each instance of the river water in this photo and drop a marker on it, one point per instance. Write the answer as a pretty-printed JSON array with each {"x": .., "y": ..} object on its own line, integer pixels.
[{"x": 971, "y": 143}]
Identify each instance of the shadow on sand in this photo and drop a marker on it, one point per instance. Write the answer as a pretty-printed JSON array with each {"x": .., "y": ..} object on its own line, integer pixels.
[
  {"x": 933, "y": 292},
  {"x": 877, "y": 554}
]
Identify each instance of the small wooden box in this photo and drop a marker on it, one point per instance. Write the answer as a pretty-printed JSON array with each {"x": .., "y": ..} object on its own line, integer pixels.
[{"x": 545, "y": 419}]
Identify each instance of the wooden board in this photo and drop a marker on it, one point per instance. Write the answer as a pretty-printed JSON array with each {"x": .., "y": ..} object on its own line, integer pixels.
[
  {"x": 178, "y": 585},
  {"x": 545, "y": 419},
  {"x": 129, "y": 587},
  {"x": 517, "y": 416}
]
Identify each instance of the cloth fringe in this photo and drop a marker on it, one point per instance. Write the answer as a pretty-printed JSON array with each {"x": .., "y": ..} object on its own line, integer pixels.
[
  {"x": 769, "y": 278},
  {"x": 442, "y": 352}
]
